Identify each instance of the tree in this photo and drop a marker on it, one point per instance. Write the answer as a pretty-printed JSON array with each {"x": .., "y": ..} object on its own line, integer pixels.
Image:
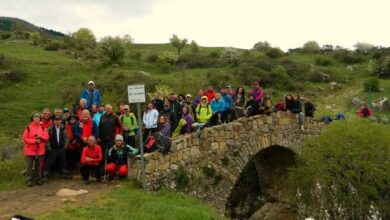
[
  {"x": 311, "y": 47},
  {"x": 113, "y": 48},
  {"x": 84, "y": 38},
  {"x": 262, "y": 46},
  {"x": 194, "y": 47},
  {"x": 345, "y": 171},
  {"x": 362, "y": 47},
  {"x": 178, "y": 43}
]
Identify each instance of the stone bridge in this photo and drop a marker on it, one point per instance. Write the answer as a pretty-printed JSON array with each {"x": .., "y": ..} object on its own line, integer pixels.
[{"x": 210, "y": 165}]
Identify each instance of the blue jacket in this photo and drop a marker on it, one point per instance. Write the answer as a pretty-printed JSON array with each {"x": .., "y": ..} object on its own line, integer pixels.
[
  {"x": 97, "y": 98},
  {"x": 228, "y": 101},
  {"x": 217, "y": 106}
]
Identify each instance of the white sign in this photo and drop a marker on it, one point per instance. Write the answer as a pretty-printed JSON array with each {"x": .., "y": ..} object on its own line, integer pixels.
[{"x": 136, "y": 93}]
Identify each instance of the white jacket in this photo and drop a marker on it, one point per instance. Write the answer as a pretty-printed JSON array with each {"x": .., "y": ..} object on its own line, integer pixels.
[{"x": 150, "y": 118}]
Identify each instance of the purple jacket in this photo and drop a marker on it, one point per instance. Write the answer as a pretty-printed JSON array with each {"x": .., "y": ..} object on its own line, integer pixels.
[
  {"x": 166, "y": 130},
  {"x": 188, "y": 126}
]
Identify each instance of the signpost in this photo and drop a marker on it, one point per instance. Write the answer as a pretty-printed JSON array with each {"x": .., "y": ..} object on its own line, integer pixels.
[{"x": 137, "y": 95}]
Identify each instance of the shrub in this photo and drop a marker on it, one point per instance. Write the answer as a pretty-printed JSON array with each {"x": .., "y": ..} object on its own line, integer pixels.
[
  {"x": 113, "y": 49},
  {"x": 345, "y": 170},
  {"x": 5, "y": 36},
  {"x": 382, "y": 67},
  {"x": 371, "y": 85},
  {"x": 196, "y": 60},
  {"x": 182, "y": 179},
  {"x": 152, "y": 58},
  {"x": 3, "y": 60},
  {"x": 347, "y": 56},
  {"x": 135, "y": 56},
  {"x": 209, "y": 171},
  {"x": 311, "y": 47},
  {"x": 53, "y": 46},
  {"x": 295, "y": 69},
  {"x": 323, "y": 61},
  {"x": 14, "y": 75},
  {"x": 274, "y": 53}
]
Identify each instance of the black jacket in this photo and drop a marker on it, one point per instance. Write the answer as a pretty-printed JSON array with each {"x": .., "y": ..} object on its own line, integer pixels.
[
  {"x": 309, "y": 109},
  {"x": 108, "y": 126},
  {"x": 118, "y": 155}
]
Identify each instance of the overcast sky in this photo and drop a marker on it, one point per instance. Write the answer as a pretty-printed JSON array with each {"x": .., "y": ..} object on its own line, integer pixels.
[{"x": 236, "y": 23}]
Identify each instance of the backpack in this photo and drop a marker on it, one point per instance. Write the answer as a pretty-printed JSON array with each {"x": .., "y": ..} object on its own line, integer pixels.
[{"x": 163, "y": 143}]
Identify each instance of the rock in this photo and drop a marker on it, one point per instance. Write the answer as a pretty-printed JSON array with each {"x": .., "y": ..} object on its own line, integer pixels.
[
  {"x": 357, "y": 102},
  {"x": 70, "y": 192}
]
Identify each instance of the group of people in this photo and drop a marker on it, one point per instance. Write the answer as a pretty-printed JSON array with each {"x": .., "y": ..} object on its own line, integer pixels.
[{"x": 94, "y": 138}]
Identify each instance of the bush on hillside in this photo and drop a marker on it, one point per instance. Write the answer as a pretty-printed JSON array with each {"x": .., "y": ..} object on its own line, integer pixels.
[
  {"x": 53, "y": 46},
  {"x": 196, "y": 60},
  {"x": 323, "y": 61},
  {"x": 371, "y": 85},
  {"x": 152, "y": 58},
  {"x": 14, "y": 75},
  {"x": 347, "y": 56},
  {"x": 113, "y": 49},
  {"x": 3, "y": 60},
  {"x": 135, "y": 55},
  {"x": 247, "y": 73},
  {"x": 296, "y": 70},
  {"x": 382, "y": 68},
  {"x": 345, "y": 172},
  {"x": 5, "y": 36},
  {"x": 274, "y": 53}
]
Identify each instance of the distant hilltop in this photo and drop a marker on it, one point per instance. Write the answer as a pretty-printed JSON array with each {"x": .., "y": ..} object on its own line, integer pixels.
[{"x": 9, "y": 24}]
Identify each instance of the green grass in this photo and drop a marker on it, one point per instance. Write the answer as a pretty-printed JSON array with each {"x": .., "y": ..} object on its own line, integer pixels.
[{"x": 129, "y": 202}]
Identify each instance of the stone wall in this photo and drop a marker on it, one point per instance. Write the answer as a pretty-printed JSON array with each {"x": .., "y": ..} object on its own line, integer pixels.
[{"x": 214, "y": 158}]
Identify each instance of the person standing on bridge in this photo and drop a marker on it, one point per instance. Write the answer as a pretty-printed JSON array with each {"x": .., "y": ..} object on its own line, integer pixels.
[
  {"x": 217, "y": 106},
  {"x": 203, "y": 113},
  {"x": 257, "y": 94},
  {"x": 239, "y": 101},
  {"x": 150, "y": 120},
  {"x": 92, "y": 95},
  {"x": 297, "y": 110},
  {"x": 309, "y": 108},
  {"x": 129, "y": 126},
  {"x": 34, "y": 138},
  {"x": 171, "y": 116}
]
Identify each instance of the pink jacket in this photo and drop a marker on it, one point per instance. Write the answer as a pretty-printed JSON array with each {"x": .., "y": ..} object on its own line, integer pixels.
[{"x": 30, "y": 143}]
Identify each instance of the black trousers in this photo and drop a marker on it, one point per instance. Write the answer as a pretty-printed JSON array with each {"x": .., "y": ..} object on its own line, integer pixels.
[
  {"x": 86, "y": 170},
  {"x": 216, "y": 119},
  {"x": 129, "y": 140},
  {"x": 33, "y": 167},
  {"x": 72, "y": 158},
  {"x": 149, "y": 131},
  {"x": 55, "y": 157}
]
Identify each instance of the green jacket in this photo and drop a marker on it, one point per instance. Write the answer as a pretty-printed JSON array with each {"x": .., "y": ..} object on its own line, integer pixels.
[{"x": 130, "y": 122}]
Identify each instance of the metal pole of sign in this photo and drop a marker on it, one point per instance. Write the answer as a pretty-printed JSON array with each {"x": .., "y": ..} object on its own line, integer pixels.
[
  {"x": 136, "y": 95},
  {"x": 141, "y": 148}
]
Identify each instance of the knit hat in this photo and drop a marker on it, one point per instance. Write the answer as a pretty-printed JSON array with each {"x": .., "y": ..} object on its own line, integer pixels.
[{"x": 118, "y": 137}]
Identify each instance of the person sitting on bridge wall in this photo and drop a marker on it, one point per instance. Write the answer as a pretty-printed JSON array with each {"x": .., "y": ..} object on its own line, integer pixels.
[
  {"x": 229, "y": 113},
  {"x": 171, "y": 116},
  {"x": 257, "y": 93},
  {"x": 164, "y": 125},
  {"x": 186, "y": 115},
  {"x": 266, "y": 105}
]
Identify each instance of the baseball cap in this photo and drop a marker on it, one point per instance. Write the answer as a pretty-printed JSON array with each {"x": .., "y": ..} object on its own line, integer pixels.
[{"x": 91, "y": 82}]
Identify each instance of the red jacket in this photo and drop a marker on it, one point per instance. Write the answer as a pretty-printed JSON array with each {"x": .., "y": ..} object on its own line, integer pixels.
[
  {"x": 94, "y": 153},
  {"x": 31, "y": 148},
  {"x": 368, "y": 112},
  {"x": 86, "y": 128},
  {"x": 46, "y": 122},
  {"x": 210, "y": 95}
]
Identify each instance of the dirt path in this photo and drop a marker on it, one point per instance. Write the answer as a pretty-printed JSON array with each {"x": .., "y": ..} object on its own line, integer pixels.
[{"x": 35, "y": 201}]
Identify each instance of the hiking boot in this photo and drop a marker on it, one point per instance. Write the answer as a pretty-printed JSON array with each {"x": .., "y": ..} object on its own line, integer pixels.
[
  {"x": 302, "y": 128},
  {"x": 30, "y": 183},
  {"x": 39, "y": 182}
]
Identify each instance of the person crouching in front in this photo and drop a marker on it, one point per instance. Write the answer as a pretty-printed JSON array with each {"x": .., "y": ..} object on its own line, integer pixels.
[
  {"x": 117, "y": 158},
  {"x": 90, "y": 160}
]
